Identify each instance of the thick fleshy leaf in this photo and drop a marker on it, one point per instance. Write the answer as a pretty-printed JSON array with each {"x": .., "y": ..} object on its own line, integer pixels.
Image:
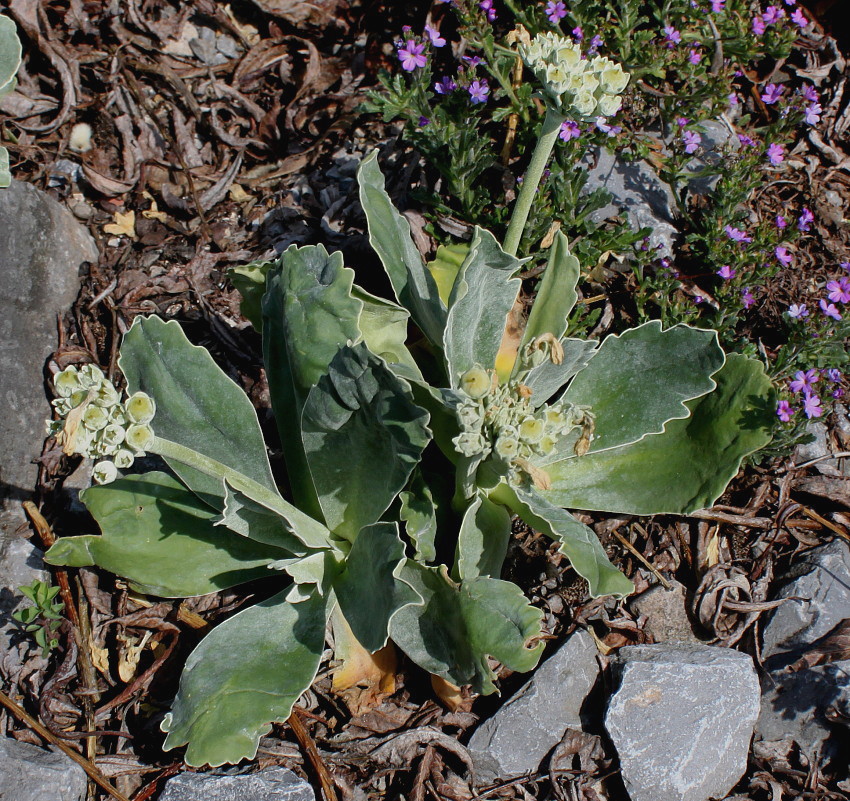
[
  {"x": 642, "y": 378},
  {"x": 250, "y": 280},
  {"x": 197, "y": 405},
  {"x": 245, "y": 674},
  {"x": 460, "y": 625},
  {"x": 483, "y": 295},
  {"x": 308, "y": 314},
  {"x": 547, "y": 378},
  {"x": 577, "y": 542},
  {"x": 685, "y": 468},
  {"x": 10, "y": 52},
  {"x": 369, "y": 590},
  {"x": 389, "y": 235},
  {"x": 5, "y": 174},
  {"x": 362, "y": 435},
  {"x": 419, "y": 513},
  {"x": 162, "y": 538},
  {"x": 556, "y": 294},
  {"x": 445, "y": 267},
  {"x": 383, "y": 326},
  {"x": 483, "y": 539}
]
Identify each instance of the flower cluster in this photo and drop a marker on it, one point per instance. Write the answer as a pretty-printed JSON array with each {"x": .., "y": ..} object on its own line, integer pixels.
[
  {"x": 95, "y": 422},
  {"x": 500, "y": 420},
  {"x": 572, "y": 85}
]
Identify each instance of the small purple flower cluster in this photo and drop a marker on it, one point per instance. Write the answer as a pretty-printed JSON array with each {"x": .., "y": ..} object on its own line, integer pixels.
[{"x": 803, "y": 384}]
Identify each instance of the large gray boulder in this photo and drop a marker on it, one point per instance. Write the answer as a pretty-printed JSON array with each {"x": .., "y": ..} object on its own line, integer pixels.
[
  {"x": 533, "y": 721},
  {"x": 682, "y": 719},
  {"x": 42, "y": 248},
  {"x": 29, "y": 773},
  {"x": 270, "y": 784}
]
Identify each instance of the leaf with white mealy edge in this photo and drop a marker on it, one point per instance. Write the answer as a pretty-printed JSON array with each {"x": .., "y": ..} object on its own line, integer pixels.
[
  {"x": 483, "y": 539},
  {"x": 308, "y": 314},
  {"x": 245, "y": 674},
  {"x": 547, "y": 378},
  {"x": 642, "y": 378},
  {"x": 458, "y": 626},
  {"x": 10, "y": 54},
  {"x": 197, "y": 405},
  {"x": 383, "y": 326},
  {"x": 686, "y": 467},
  {"x": 419, "y": 513},
  {"x": 362, "y": 435},
  {"x": 577, "y": 542},
  {"x": 556, "y": 294},
  {"x": 483, "y": 295},
  {"x": 369, "y": 589},
  {"x": 163, "y": 539},
  {"x": 389, "y": 235}
]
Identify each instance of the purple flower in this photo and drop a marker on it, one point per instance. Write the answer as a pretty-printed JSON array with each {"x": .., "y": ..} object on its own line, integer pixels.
[
  {"x": 839, "y": 291},
  {"x": 487, "y": 7},
  {"x": 781, "y": 222},
  {"x": 569, "y": 130},
  {"x": 810, "y": 93},
  {"x": 736, "y": 234},
  {"x": 423, "y": 121},
  {"x": 578, "y": 33},
  {"x": 726, "y": 272},
  {"x": 806, "y": 219},
  {"x": 799, "y": 18},
  {"x": 812, "y": 113},
  {"x": 746, "y": 141},
  {"x": 747, "y": 297},
  {"x": 811, "y": 406},
  {"x": 445, "y": 86},
  {"x": 784, "y": 411},
  {"x": 694, "y": 56},
  {"x": 555, "y": 11},
  {"x": 798, "y": 312},
  {"x": 833, "y": 374},
  {"x": 782, "y": 255},
  {"x": 682, "y": 121},
  {"x": 434, "y": 35},
  {"x": 776, "y": 154},
  {"x": 829, "y": 309},
  {"x": 838, "y": 392},
  {"x": 717, "y": 6},
  {"x": 804, "y": 380},
  {"x": 733, "y": 98},
  {"x": 845, "y": 265},
  {"x": 671, "y": 36},
  {"x": 595, "y": 44},
  {"x": 473, "y": 61},
  {"x": 691, "y": 140},
  {"x": 772, "y": 14},
  {"x": 478, "y": 91},
  {"x": 758, "y": 25},
  {"x": 771, "y": 94},
  {"x": 412, "y": 56}
]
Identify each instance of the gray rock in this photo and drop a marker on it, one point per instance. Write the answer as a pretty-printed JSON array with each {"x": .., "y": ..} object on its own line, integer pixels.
[
  {"x": 820, "y": 579},
  {"x": 817, "y": 449},
  {"x": 636, "y": 190},
  {"x": 682, "y": 719},
  {"x": 667, "y": 616},
  {"x": 532, "y": 722},
  {"x": 716, "y": 140},
  {"x": 29, "y": 773},
  {"x": 41, "y": 249},
  {"x": 271, "y": 784}
]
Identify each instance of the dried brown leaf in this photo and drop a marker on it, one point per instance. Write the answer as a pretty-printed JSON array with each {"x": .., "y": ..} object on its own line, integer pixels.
[{"x": 832, "y": 647}]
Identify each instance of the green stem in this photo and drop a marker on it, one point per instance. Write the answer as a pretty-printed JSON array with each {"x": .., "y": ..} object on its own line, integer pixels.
[{"x": 531, "y": 182}]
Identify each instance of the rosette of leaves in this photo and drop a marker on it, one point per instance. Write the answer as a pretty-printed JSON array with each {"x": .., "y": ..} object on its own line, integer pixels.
[
  {"x": 10, "y": 60},
  {"x": 369, "y": 419}
]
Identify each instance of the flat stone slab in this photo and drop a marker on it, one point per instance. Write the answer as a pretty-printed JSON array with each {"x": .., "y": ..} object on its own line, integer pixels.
[
  {"x": 682, "y": 719},
  {"x": 29, "y": 773},
  {"x": 533, "y": 721},
  {"x": 666, "y": 614},
  {"x": 270, "y": 784}
]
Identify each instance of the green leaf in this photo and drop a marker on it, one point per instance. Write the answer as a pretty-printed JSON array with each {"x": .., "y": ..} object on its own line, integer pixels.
[
  {"x": 369, "y": 590},
  {"x": 445, "y": 267},
  {"x": 10, "y": 52},
  {"x": 245, "y": 674},
  {"x": 197, "y": 405},
  {"x": 577, "y": 542},
  {"x": 458, "y": 626},
  {"x": 389, "y": 235},
  {"x": 685, "y": 468},
  {"x": 419, "y": 513},
  {"x": 483, "y": 540},
  {"x": 556, "y": 294},
  {"x": 5, "y": 174},
  {"x": 483, "y": 295},
  {"x": 163, "y": 539},
  {"x": 250, "y": 280},
  {"x": 363, "y": 435},
  {"x": 639, "y": 380},
  {"x": 308, "y": 314},
  {"x": 383, "y": 326},
  {"x": 547, "y": 378}
]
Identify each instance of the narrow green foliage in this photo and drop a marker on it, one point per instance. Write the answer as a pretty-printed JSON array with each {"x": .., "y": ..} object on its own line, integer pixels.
[{"x": 43, "y": 618}]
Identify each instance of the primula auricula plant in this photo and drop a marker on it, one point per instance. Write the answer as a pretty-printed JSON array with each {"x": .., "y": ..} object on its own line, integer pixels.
[
  {"x": 10, "y": 60},
  {"x": 371, "y": 424}
]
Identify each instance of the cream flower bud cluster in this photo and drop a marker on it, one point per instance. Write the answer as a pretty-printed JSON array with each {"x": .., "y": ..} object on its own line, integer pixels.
[
  {"x": 575, "y": 86},
  {"x": 499, "y": 419},
  {"x": 95, "y": 422}
]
